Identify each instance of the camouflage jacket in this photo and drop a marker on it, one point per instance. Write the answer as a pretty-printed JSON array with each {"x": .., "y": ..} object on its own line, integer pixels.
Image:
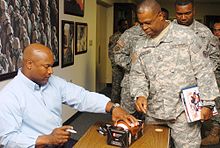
[
  {"x": 112, "y": 42},
  {"x": 163, "y": 69},
  {"x": 210, "y": 43},
  {"x": 125, "y": 48},
  {"x": 217, "y": 71},
  {"x": 126, "y": 45}
]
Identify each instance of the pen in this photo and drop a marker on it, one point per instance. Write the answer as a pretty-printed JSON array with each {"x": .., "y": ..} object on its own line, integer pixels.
[{"x": 71, "y": 131}]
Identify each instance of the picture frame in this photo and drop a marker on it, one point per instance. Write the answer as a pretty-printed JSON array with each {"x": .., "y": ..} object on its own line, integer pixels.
[
  {"x": 74, "y": 7},
  {"x": 25, "y": 27},
  {"x": 67, "y": 53},
  {"x": 81, "y": 38}
]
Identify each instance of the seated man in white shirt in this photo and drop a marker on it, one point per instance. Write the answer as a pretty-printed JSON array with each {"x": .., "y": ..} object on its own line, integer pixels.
[{"x": 31, "y": 103}]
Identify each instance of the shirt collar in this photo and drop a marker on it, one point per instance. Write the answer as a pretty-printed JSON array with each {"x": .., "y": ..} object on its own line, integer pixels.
[
  {"x": 34, "y": 86},
  {"x": 162, "y": 35},
  {"x": 192, "y": 26}
]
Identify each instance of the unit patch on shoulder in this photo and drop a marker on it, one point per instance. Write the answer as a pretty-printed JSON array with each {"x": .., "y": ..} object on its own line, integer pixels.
[
  {"x": 206, "y": 54},
  {"x": 116, "y": 48},
  {"x": 121, "y": 43},
  {"x": 134, "y": 57}
]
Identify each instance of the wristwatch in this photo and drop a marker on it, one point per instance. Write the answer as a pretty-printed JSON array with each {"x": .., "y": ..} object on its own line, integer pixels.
[{"x": 114, "y": 106}]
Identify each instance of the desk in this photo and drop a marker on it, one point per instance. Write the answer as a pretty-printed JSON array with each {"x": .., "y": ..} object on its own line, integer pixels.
[{"x": 150, "y": 139}]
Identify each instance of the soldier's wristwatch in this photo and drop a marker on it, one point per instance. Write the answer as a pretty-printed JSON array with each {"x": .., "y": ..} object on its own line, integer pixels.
[{"x": 114, "y": 106}]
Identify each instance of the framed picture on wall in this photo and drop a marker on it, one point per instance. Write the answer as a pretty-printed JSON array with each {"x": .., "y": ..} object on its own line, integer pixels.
[
  {"x": 67, "y": 43},
  {"x": 21, "y": 26},
  {"x": 81, "y": 30},
  {"x": 74, "y": 7}
]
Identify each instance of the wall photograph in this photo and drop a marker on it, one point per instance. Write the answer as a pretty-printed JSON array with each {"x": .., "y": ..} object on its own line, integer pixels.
[{"x": 24, "y": 22}]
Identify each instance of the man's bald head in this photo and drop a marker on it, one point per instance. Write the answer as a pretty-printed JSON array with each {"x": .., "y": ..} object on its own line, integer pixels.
[
  {"x": 35, "y": 51},
  {"x": 150, "y": 18},
  {"x": 148, "y": 5},
  {"x": 37, "y": 63}
]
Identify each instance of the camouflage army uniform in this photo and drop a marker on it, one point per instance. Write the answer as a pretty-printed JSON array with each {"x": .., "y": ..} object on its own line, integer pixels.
[
  {"x": 210, "y": 43},
  {"x": 162, "y": 70},
  {"x": 117, "y": 71},
  {"x": 212, "y": 50},
  {"x": 216, "y": 119},
  {"x": 217, "y": 72},
  {"x": 123, "y": 52}
]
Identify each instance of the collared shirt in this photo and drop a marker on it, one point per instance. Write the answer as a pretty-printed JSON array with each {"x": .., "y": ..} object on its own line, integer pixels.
[
  {"x": 28, "y": 110},
  {"x": 162, "y": 34}
]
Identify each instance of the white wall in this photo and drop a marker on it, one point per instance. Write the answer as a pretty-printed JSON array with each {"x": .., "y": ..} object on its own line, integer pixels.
[
  {"x": 83, "y": 70},
  {"x": 109, "y": 31}
]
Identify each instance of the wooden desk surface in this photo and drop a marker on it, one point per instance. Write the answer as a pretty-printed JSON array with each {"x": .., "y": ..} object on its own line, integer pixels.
[{"x": 150, "y": 139}]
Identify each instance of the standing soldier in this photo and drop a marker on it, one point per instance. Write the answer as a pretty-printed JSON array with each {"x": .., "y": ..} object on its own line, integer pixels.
[
  {"x": 24, "y": 38},
  {"x": 3, "y": 61},
  {"x": 171, "y": 59},
  {"x": 213, "y": 136},
  {"x": 117, "y": 71},
  {"x": 185, "y": 16},
  {"x": 124, "y": 51},
  {"x": 216, "y": 32},
  {"x": 54, "y": 42},
  {"x": 16, "y": 53}
]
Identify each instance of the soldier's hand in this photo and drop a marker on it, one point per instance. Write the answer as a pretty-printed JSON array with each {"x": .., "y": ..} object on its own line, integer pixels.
[
  {"x": 206, "y": 114},
  {"x": 141, "y": 104}
]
